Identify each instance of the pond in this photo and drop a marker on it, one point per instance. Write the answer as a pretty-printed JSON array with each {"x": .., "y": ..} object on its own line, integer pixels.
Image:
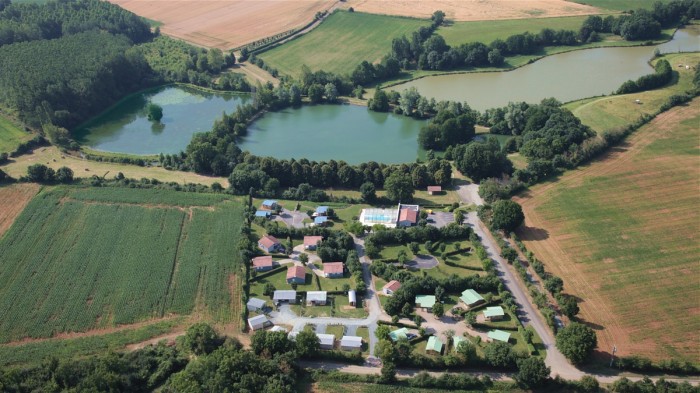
[
  {"x": 565, "y": 76},
  {"x": 186, "y": 110},
  {"x": 340, "y": 132}
]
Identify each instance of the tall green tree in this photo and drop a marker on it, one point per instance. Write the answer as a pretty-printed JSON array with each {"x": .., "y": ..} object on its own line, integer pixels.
[
  {"x": 576, "y": 341},
  {"x": 399, "y": 188},
  {"x": 507, "y": 215}
]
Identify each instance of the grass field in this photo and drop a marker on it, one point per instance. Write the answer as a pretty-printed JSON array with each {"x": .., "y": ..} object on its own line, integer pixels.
[
  {"x": 623, "y": 233},
  {"x": 52, "y": 157},
  {"x": 11, "y": 135},
  {"x": 361, "y": 37},
  {"x": 15, "y": 198},
  {"x": 620, "y": 5},
  {"x": 487, "y": 31},
  {"x": 609, "y": 112},
  {"x": 79, "y": 259}
]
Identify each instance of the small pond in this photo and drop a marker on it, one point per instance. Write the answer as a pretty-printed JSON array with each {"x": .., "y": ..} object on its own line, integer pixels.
[{"x": 186, "y": 110}]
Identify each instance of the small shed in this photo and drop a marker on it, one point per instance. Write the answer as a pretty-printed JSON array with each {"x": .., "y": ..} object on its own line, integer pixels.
[
  {"x": 434, "y": 190},
  {"x": 351, "y": 343},
  {"x": 321, "y": 221},
  {"x": 327, "y": 341},
  {"x": 499, "y": 335},
  {"x": 278, "y": 329},
  {"x": 263, "y": 213},
  {"x": 471, "y": 298},
  {"x": 269, "y": 204},
  {"x": 398, "y": 334},
  {"x": 322, "y": 211},
  {"x": 434, "y": 345},
  {"x": 258, "y": 322},
  {"x": 426, "y": 302},
  {"x": 285, "y": 296},
  {"x": 352, "y": 298},
  {"x": 494, "y": 313},
  {"x": 255, "y": 304},
  {"x": 391, "y": 287},
  {"x": 316, "y": 298}
]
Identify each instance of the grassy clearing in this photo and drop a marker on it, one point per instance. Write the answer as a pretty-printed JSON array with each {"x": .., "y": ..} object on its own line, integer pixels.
[
  {"x": 37, "y": 352},
  {"x": 76, "y": 260},
  {"x": 52, "y": 157},
  {"x": 442, "y": 270},
  {"x": 11, "y": 135},
  {"x": 623, "y": 234},
  {"x": 362, "y": 37},
  {"x": 488, "y": 31},
  {"x": 615, "y": 111}
]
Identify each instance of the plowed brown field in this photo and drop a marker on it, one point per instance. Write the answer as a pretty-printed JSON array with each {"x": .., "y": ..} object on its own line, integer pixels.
[
  {"x": 13, "y": 199},
  {"x": 624, "y": 234},
  {"x": 473, "y": 10},
  {"x": 226, "y": 24}
]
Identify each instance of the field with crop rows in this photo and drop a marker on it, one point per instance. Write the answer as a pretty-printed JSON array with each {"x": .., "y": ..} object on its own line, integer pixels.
[
  {"x": 79, "y": 259},
  {"x": 623, "y": 233},
  {"x": 361, "y": 37}
]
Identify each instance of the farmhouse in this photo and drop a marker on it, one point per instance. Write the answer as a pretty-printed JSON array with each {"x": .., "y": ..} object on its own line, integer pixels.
[
  {"x": 494, "y": 313},
  {"x": 391, "y": 287},
  {"x": 316, "y": 298},
  {"x": 327, "y": 341},
  {"x": 296, "y": 275},
  {"x": 263, "y": 213},
  {"x": 321, "y": 221},
  {"x": 398, "y": 334},
  {"x": 269, "y": 204},
  {"x": 269, "y": 244},
  {"x": 263, "y": 263},
  {"x": 408, "y": 215},
  {"x": 311, "y": 242},
  {"x": 352, "y": 298},
  {"x": 498, "y": 335},
  {"x": 426, "y": 302},
  {"x": 333, "y": 269},
  {"x": 321, "y": 211},
  {"x": 434, "y": 346},
  {"x": 434, "y": 190},
  {"x": 351, "y": 343},
  {"x": 456, "y": 340},
  {"x": 255, "y": 304},
  {"x": 285, "y": 296},
  {"x": 471, "y": 298},
  {"x": 258, "y": 322}
]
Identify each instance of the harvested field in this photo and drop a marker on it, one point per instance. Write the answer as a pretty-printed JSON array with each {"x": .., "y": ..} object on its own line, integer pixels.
[
  {"x": 226, "y": 24},
  {"x": 52, "y": 157},
  {"x": 624, "y": 234},
  {"x": 13, "y": 199},
  {"x": 471, "y": 10},
  {"x": 80, "y": 259},
  {"x": 361, "y": 37}
]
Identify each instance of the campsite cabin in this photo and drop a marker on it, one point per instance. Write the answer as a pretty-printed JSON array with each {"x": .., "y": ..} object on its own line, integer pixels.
[
  {"x": 255, "y": 304},
  {"x": 258, "y": 322},
  {"x": 351, "y": 343},
  {"x": 261, "y": 264},
  {"x": 285, "y": 296},
  {"x": 494, "y": 313},
  {"x": 311, "y": 242},
  {"x": 391, "y": 287},
  {"x": 316, "y": 298}
]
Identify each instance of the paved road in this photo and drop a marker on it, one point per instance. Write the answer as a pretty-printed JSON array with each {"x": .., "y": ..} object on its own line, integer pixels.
[{"x": 292, "y": 219}]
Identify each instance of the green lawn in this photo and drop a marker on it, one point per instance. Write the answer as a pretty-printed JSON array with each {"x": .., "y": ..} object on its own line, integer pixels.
[
  {"x": 337, "y": 330},
  {"x": 11, "y": 135},
  {"x": 488, "y": 31},
  {"x": 83, "y": 258},
  {"x": 279, "y": 281},
  {"x": 361, "y": 37}
]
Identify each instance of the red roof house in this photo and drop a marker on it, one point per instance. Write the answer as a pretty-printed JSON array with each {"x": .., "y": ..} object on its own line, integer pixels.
[
  {"x": 269, "y": 243},
  {"x": 333, "y": 269},
  {"x": 391, "y": 287},
  {"x": 296, "y": 275},
  {"x": 310, "y": 242},
  {"x": 262, "y": 263}
]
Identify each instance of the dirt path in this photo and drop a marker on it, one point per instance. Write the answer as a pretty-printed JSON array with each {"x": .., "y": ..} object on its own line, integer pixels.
[
  {"x": 595, "y": 309},
  {"x": 255, "y": 73}
]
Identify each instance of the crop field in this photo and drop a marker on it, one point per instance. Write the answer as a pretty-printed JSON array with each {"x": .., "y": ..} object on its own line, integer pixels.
[
  {"x": 53, "y": 158},
  {"x": 362, "y": 37},
  {"x": 13, "y": 199},
  {"x": 225, "y": 24},
  {"x": 470, "y": 10},
  {"x": 624, "y": 234},
  {"x": 11, "y": 135},
  {"x": 620, "y": 5},
  {"x": 609, "y": 112},
  {"x": 76, "y": 260},
  {"x": 488, "y": 31}
]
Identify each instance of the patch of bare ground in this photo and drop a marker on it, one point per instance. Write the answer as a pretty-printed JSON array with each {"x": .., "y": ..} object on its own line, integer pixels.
[
  {"x": 13, "y": 199},
  {"x": 226, "y": 24},
  {"x": 474, "y": 10},
  {"x": 625, "y": 304}
]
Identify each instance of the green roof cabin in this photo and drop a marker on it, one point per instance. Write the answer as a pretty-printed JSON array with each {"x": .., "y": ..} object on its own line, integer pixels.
[
  {"x": 426, "y": 302},
  {"x": 494, "y": 313},
  {"x": 471, "y": 298},
  {"x": 434, "y": 345},
  {"x": 458, "y": 339},
  {"x": 499, "y": 335},
  {"x": 398, "y": 334}
]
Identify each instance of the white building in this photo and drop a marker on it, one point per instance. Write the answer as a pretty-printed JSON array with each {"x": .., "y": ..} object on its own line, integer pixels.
[
  {"x": 316, "y": 298},
  {"x": 255, "y": 304},
  {"x": 285, "y": 296},
  {"x": 258, "y": 322},
  {"x": 352, "y": 298},
  {"x": 402, "y": 216},
  {"x": 327, "y": 341},
  {"x": 351, "y": 343}
]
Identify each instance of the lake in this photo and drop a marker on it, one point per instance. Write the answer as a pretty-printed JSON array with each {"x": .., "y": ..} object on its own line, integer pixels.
[
  {"x": 340, "y": 132},
  {"x": 125, "y": 128},
  {"x": 566, "y": 76}
]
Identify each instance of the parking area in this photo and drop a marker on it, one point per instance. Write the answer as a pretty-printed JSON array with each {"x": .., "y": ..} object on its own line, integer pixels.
[{"x": 440, "y": 219}]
